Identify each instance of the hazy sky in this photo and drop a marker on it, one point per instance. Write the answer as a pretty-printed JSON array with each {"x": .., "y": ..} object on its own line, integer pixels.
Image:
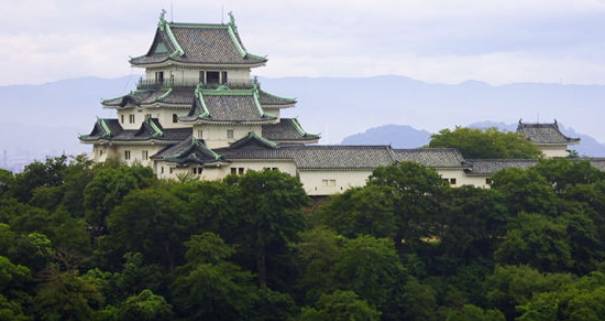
[{"x": 437, "y": 41}]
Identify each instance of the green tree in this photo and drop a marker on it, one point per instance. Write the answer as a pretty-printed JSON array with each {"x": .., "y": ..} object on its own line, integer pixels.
[
  {"x": 66, "y": 297},
  {"x": 12, "y": 310},
  {"x": 210, "y": 288},
  {"x": 510, "y": 286},
  {"x": 526, "y": 191},
  {"x": 270, "y": 204},
  {"x": 38, "y": 174},
  {"x": 488, "y": 143},
  {"x": 370, "y": 267},
  {"x": 153, "y": 222},
  {"x": 364, "y": 210},
  {"x": 317, "y": 252},
  {"x": 471, "y": 312},
  {"x": 108, "y": 187},
  {"x": 340, "y": 306},
  {"x": 145, "y": 306},
  {"x": 417, "y": 193},
  {"x": 538, "y": 241},
  {"x": 564, "y": 173},
  {"x": 472, "y": 223}
]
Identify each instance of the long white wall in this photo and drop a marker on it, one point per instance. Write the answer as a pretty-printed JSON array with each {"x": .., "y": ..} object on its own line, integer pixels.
[{"x": 554, "y": 151}]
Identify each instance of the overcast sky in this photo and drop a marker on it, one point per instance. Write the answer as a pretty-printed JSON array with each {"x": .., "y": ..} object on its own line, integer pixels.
[{"x": 495, "y": 41}]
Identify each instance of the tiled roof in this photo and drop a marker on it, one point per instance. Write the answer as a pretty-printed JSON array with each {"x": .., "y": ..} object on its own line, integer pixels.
[
  {"x": 318, "y": 157},
  {"x": 182, "y": 96},
  {"x": 266, "y": 98},
  {"x": 189, "y": 151},
  {"x": 288, "y": 129},
  {"x": 544, "y": 134},
  {"x": 150, "y": 129},
  {"x": 224, "y": 105},
  {"x": 199, "y": 44},
  {"x": 433, "y": 157},
  {"x": 488, "y": 167}
]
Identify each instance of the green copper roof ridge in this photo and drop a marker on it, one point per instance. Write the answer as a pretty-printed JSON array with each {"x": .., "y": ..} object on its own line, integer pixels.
[
  {"x": 280, "y": 97},
  {"x": 257, "y": 101},
  {"x": 264, "y": 140},
  {"x": 300, "y": 129},
  {"x": 158, "y": 132},
  {"x": 164, "y": 95},
  {"x": 236, "y": 42},
  {"x": 197, "y": 143},
  {"x": 200, "y": 98},
  {"x": 165, "y": 27},
  {"x": 104, "y": 126}
]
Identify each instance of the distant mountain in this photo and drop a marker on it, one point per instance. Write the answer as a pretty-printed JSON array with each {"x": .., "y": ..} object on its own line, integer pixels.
[
  {"x": 398, "y": 136},
  {"x": 42, "y": 119},
  {"x": 403, "y": 136}
]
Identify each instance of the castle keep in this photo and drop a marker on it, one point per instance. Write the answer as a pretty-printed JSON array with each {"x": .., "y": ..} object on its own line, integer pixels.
[{"x": 197, "y": 112}]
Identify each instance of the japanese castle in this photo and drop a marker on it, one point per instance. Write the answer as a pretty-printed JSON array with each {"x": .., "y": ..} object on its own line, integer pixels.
[{"x": 197, "y": 112}]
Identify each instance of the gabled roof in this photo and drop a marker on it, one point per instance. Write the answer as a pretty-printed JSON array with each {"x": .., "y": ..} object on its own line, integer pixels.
[
  {"x": 111, "y": 130},
  {"x": 252, "y": 140},
  {"x": 433, "y": 157},
  {"x": 225, "y": 105},
  {"x": 189, "y": 151},
  {"x": 544, "y": 134},
  {"x": 197, "y": 44},
  {"x": 288, "y": 130}
]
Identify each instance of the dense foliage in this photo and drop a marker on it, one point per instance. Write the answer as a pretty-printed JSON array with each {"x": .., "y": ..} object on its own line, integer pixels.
[
  {"x": 485, "y": 143},
  {"x": 111, "y": 243}
]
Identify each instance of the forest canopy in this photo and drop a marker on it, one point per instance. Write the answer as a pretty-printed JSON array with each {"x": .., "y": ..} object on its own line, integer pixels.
[{"x": 108, "y": 242}]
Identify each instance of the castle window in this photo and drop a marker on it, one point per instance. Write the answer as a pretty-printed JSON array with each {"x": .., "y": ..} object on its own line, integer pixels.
[
  {"x": 159, "y": 77},
  {"x": 223, "y": 77},
  {"x": 275, "y": 169},
  {"x": 329, "y": 182},
  {"x": 233, "y": 171},
  {"x": 122, "y": 118},
  {"x": 175, "y": 118},
  {"x": 213, "y": 77},
  {"x": 202, "y": 76},
  {"x": 488, "y": 181},
  {"x": 200, "y": 133},
  {"x": 229, "y": 133},
  {"x": 240, "y": 171},
  {"x": 145, "y": 155},
  {"x": 131, "y": 118},
  {"x": 171, "y": 170},
  {"x": 126, "y": 154},
  {"x": 452, "y": 181},
  {"x": 162, "y": 169},
  {"x": 197, "y": 170}
]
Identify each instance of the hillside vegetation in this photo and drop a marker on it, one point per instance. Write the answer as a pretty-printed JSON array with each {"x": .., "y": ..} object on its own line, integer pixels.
[{"x": 109, "y": 242}]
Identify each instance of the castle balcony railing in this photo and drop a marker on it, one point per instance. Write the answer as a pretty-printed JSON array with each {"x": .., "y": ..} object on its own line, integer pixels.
[{"x": 172, "y": 83}]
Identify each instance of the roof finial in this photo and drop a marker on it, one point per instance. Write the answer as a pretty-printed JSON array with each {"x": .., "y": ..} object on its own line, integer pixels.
[
  {"x": 232, "y": 21},
  {"x": 162, "y": 22}
]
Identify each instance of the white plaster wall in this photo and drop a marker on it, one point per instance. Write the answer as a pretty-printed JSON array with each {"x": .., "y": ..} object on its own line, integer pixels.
[
  {"x": 314, "y": 185},
  {"x": 136, "y": 153},
  {"x": 461, "y": 178},
  {"x": 554, "y": 151},
  {"x": 216, "y": 136},
  {"x": 163, "y": 114}
]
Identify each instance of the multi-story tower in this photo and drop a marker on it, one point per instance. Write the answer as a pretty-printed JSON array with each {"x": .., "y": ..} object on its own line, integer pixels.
[{"x": 196, "y": 93}]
